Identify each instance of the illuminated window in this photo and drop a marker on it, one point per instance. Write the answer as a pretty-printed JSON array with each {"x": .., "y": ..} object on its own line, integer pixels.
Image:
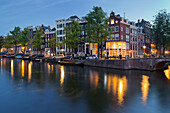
[{"x": 112, "y": 21}]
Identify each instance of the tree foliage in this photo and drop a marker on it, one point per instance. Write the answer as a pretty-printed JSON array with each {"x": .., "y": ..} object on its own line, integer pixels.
[
  {"x": 161, "y": 30},
  {"x": 37, "y": 41},
  {"x": 97, "y": 27},
  {"x": 72, "y": 34},
  {"x": 16, "y": 37},
  {"x": 1, "y": 42},
  {"x": 7, "y": 42}
]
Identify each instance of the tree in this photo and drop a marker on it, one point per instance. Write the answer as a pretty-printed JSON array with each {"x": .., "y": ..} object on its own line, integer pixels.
[
  {"x": 16, "y": 36},
  {"x": 161, "y": 30},
  {"x": 1, "y": 42},
  {"x": 52, "y": 44},
  {"x": 7, "y": 42},
  {"x": 25, "y": 38},
  {"x": 37, "y": 41},
  {"x": 72, "y": 35},
  {"x": 97, "y": 27}
]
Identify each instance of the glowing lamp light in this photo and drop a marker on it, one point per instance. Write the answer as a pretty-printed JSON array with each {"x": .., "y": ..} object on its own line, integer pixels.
[
  {"x": 29, "y": 49},
  {"x": 144, "y": 47}
]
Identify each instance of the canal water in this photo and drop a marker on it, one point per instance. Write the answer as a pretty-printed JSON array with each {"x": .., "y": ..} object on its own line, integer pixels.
[{"x": 32, "y": 87}]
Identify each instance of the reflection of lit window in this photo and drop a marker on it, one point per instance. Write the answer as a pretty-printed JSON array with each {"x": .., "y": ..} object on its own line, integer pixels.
[
  {"x": 94, "y": 78},
  {"x": 167, "y": 73},
  {"x": 117, "y": 86},
  {"x": 62, "y": 74},
  {"x": 29, "y": 71},
  {"x": 12, "y": 68},
  {"x": 145, "y": 88},
  {"x": 23, "y": 68}
]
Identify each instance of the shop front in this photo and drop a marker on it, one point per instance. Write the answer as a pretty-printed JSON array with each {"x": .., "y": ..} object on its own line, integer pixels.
[{"x": 115, "y": 49}]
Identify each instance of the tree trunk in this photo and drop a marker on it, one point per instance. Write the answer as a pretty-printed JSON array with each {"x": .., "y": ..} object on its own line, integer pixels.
[
  {"x": 101, "y": 49},
  {"x": 98, "y": 50},
  {"x": 15, "y": 49}
]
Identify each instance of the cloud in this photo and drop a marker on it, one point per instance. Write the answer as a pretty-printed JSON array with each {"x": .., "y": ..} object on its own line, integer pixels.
[{"x": 56, "y": 3}]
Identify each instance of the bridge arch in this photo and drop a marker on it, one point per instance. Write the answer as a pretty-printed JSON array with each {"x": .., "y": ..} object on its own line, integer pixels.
[{"x": 159, "y": 65}]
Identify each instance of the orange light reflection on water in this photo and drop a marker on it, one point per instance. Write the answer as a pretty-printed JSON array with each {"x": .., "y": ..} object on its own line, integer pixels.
[
  {"x": 117, "y": 86},
  {"x": 29, "y": 71},
  {"x": 145, "y": 88},
  {"x": 167, "y": 73},
  {"x": 94, "y": 79},
  {"x": 62, "y": 74},
  {"x": 23, "y": 64},
  {"x": 12, "y": 68}
]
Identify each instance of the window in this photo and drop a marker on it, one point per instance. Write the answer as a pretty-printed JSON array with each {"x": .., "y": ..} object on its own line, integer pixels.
[
  {"x": 117, "y": 29},
  {"x": 116, "y": 36},
  {"x": 121, "y": 28},
  {"x": 121, "y": 37},
  {"x": 112, "y": 21},
  {"x": 127, "y": 30},
  {"x": 127, "y": 37}
]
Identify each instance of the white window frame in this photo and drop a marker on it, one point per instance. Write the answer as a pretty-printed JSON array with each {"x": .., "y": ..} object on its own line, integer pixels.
[
  {"x": 116, "y": 27},
  {"x": 127, "y": 37},
  {"x": 116, "y": 36}
]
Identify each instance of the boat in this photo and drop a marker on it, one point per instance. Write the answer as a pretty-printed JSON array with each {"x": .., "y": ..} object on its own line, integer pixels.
[
  {"x": 26, "y": 57},
  {"x": 19, "y": 56},
  {"x": 70, "y": 63},
  {"x": 10, "y": 55}
]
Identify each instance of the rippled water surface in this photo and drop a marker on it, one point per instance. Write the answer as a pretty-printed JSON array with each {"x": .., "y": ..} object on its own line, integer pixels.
[{"x": 32, "y": 87}]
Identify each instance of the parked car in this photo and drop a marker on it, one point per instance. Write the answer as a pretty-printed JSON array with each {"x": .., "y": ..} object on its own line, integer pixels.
[{"x": 91, "y": 57}]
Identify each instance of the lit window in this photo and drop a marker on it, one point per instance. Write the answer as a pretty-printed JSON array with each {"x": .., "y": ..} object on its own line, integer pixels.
[{"x": 112, "y": 21}]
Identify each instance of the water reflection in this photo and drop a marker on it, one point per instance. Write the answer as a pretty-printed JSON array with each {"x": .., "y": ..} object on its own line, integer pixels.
[
  {"x": 12, "y": 68},
  {"x": 23, "y": 64},
  {"x": 117, "y": 86},
  {"x": 167, "y": 73},
  {"x": 94, "y": 79},
  {"x": 29, "y": 71},
  {"x": 145, "y": 88},
  {"x": 101, "y": 91},
  {"x": 62, "y": 74},
  {"x": 1, "y": 65},
  {"x": 122, "y": 88}
]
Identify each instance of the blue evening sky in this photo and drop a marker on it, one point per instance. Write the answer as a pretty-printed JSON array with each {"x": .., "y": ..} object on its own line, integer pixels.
[{"x": 25, "y": 13}]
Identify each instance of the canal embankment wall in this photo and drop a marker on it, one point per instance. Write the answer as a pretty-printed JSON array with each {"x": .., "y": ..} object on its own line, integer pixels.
[{"x": 140, "y": 64}]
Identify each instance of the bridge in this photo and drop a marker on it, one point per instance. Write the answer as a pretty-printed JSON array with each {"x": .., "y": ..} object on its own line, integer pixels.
[{"x": 150, "y": 64}]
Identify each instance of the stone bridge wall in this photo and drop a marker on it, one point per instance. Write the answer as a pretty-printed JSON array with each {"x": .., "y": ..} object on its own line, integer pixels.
[{"x": 144, "y": 63}]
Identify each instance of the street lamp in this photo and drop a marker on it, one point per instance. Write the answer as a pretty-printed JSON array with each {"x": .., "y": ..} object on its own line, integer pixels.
[{"x": 144, "y": 47}]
